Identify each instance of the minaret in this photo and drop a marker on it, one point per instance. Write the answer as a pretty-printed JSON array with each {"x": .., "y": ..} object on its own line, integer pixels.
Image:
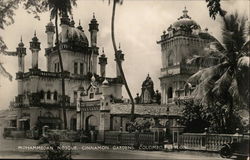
[
  {"x": 35, "y": 48},
  {"x": 103, "y": 63},
  {"x": 120, "y": 57},
  {"x": 65, "y": 22},
  {"x": 21, "y": 52},
  {"x": 50, "y": 30},
  {"x": 93, "y": 29}
]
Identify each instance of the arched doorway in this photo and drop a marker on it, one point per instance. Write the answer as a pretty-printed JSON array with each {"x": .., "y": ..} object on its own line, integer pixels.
[
  {"x": 91, "y": 123},
  {"x": 73, "y": 122}
]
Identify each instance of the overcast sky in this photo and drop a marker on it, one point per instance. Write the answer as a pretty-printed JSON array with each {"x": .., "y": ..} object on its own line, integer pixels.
[{"x": 139, "y": 24}]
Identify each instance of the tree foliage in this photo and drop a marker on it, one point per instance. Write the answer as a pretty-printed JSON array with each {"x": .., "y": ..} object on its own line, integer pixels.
[
  {"x": 224, "y": 86},
  {"x": 197, "y": 117},
  {"x": 214, "y": 7}
]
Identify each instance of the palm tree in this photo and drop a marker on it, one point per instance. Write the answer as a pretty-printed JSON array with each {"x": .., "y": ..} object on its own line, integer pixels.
[
  {"x": 226, "y": 84},
  {"x": 118, "y": 60},
  {"x": 58, "y": 8}
]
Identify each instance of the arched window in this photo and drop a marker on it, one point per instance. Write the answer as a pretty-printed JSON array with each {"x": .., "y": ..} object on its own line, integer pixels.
[
  {"x": 48, "y": 95},
  {"x": 42, "y": 94},
  {"x": 55, "y": 96},
  {"x": 170, "y": 92},
  {"x": 171, "y": 58}
]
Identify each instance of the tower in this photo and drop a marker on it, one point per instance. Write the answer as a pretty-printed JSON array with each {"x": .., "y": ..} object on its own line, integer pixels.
[
  {"x": 120, "y": 59},
  {"x": 35, "y": 48},
  {"x": 65, "y": 22},
  {"x": 93, "y": 29},
  {"x": 50, "y": 31},
  {"x": 21, "y": 52},
  {"x": 103, "y": 63}
]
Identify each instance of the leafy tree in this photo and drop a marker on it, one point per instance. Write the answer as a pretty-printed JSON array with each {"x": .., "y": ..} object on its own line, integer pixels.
[
  {"x": 118, "y": 61},
  {"x": 214, "y": 7},
  {"x": 197, "y": 117},
  {"x": 225, "y": 85}
]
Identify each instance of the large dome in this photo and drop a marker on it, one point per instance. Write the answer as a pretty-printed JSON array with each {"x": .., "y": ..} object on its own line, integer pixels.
[
  {"x": 185, "y": 21},
  {"x": 76, "y": 35}
]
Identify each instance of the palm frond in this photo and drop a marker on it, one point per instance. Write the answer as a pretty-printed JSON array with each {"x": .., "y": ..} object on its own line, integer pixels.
[
  {"x": 213, "y": 71},
  {"x": 222, "y": 84},
  {"x": 233, "y": 32}
]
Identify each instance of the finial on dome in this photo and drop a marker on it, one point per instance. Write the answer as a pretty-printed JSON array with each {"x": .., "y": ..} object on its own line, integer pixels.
[
  {"x": 93, "y": 15},
  {"x": 21, "y": 42},
  {"x": 185, "y": 15},
  {"x": 119, "y": 46},
  {"x": 185, "y": 11},
  {"x": 35, "y": 33},
  {"x": 79, "y": 26},
  {"x": 103, "y": 50}
]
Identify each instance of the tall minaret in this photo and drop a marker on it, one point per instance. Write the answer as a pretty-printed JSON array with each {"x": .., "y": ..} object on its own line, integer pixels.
[
  {"x": 103, "y": 63},
  {"x": 120, "y": 57},
  {"x": 21, "y": 52},
  {"x": 65, "y": 23},
  {"x": 93, "y": 29},
  {"x": 50, "y": 30},
  {"x": 35, "y": 48}
]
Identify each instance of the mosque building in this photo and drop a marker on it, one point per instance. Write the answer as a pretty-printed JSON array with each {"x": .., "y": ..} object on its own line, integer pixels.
[
  {"x": 39, "y": 99},
  {"x": 93, "y": 100}
]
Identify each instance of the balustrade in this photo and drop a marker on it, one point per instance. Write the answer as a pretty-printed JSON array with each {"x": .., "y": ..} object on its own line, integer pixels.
[{"x": 205, "y": 141}]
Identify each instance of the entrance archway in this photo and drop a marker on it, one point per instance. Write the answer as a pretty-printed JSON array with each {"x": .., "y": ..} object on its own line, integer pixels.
[{"x": 91, "y": 123}]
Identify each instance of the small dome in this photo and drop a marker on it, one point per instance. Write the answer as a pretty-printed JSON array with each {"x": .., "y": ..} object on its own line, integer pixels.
[
  {"x": 72, "y": 23},
  {"x": 50, "y": 24},
  {"x": 105, "y": 82},
  {"x": 20, "y": 44}
]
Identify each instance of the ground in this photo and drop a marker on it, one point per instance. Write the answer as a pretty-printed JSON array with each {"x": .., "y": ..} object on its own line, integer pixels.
[{"x": 17, "y": 148}]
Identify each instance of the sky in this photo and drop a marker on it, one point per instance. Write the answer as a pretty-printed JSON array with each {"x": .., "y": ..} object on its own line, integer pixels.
[{"x": 138, "y": 25}]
